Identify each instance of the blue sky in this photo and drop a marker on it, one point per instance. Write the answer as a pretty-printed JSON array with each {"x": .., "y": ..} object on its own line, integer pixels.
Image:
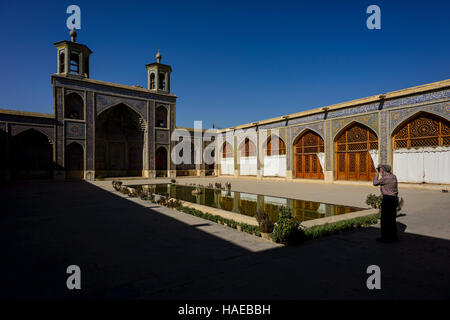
[{"x": 233, "y": 62}]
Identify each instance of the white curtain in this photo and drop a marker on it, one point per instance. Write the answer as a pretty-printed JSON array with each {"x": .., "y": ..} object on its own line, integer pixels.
[
  {"x": 431, "y": 165},
  {"x": 247, "y": 166},
  {"x": 375, "y": 157},
  {"x": 249, "y": 196},
  {"x": 274, "y": 166},
  {"x": 276, "y": 201},
  {"x": 321, "y": 156},
  {"x": 436, "y": 165},
  {"x": 227, "y": 166}
]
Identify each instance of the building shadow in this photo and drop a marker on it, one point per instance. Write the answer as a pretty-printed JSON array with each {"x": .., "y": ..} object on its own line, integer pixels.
[{"x": 129, "y": 251}]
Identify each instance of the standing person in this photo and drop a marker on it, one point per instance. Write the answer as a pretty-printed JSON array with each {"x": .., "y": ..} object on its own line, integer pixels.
[{"x": 388, "y": 187}]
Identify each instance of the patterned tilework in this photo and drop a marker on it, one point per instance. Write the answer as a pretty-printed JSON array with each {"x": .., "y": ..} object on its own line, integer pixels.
[
  {"x": 75, "y": 130},
  {"x": 69, "y": 91},
  {"x": 288, "y": 149},
  {"x": 317, "y": 127},
  {"x": 105, "y": 89},
  {"x": 172, "y": 127},
  {"x": 273, "y": 125},
  {"x": 328, "y": 142},
  {"x": 314, "y": 117},
  {"x": 162, "y": 136},
  {"x": 371, "y": 120},
  {"x": 59, "y": 130},
  {"x": 418, "y": 98},
  {"x": 90, "y": 165},
  {"x": 354, "y": 110},
  {"x": 105, "y": 101},
  {"x": 80, "y": 142},
  {"x": 383, "y": 136},
  {"x": 15, "y": 129},
  {"x": 398, "y": 116},
  {"x": 241, "y": 137}
]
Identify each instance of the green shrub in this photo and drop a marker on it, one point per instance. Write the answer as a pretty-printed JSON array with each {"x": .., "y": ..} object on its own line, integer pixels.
[
  {"x": 173, "y": 180},
  {"x": 340, "y": 226},
  {"x": 287, "y": 230},
  {"x": 374, "y": 201},
  {"x": 263, "y": 218}
]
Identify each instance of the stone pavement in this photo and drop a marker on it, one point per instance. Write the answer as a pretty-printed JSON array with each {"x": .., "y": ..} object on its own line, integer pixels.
[{"x": 130, "y": 249}]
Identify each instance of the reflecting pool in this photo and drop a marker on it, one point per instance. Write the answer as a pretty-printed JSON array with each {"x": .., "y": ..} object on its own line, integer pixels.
[{"x": 248, "y": 203}]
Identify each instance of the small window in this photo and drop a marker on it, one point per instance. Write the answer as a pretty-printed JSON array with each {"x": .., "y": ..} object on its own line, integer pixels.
[
  {"x": 62, "y": 61},
  {"x": 74, "y": 63},
  {"x": 152, "y": 81},
  {"x": 161, "y": 117},
  {"x": 162, "y": 81}
]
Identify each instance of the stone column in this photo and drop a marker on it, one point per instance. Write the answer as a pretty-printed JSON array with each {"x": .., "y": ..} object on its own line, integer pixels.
[
  {"x": 328, "y": 172},
  {"x": 167, "y": 82},
  {"x": 66, "y": 60},
  {"x": 236, "y": 156},
  {"x": 259, "y": 157},
  {"x": 81, "y": 64}
]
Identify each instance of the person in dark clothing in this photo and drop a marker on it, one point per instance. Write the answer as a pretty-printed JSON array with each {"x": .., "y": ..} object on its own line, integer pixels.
[{"x": 388, "y": 187}]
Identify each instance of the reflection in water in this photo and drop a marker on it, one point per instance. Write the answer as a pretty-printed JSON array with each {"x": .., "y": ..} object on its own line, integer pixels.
[{"x": 248, "y": 204}]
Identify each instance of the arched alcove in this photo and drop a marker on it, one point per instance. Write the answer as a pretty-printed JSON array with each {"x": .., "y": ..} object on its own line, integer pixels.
[
  {"x": 309, "y": 155},
  {"x": 31, "y": 155},
  {"x": 356, "y": 148},
  {"x": 119, "y": 142}
]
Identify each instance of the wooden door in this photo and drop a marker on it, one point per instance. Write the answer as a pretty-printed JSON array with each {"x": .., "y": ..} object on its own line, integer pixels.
[
  {"x": 306, "y": 148},
  {"x": 353, "y": 160}
]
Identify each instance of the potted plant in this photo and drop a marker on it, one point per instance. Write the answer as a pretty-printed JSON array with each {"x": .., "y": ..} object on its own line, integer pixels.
[
  {"x": 287, "y": 230},
  {"x": 265, "y": 224},
  {"x": 374, "y": 201}
]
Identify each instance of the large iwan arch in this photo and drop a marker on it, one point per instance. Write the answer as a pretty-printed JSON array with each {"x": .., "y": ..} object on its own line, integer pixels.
[{"x": 119, "y": 142}]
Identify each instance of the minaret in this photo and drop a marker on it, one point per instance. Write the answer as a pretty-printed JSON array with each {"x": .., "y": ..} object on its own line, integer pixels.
[
  {"x": 158, "y": 75},
  {"x": 73, "y": 57}
]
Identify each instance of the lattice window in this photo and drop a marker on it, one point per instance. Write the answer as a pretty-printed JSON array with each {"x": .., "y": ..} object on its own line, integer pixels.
[
  {"x": 424, "y": 130},
  {"x": 309, "y": 143},
  {"x": 362, "y": 162},
  {"x": 357, "y": 138}
]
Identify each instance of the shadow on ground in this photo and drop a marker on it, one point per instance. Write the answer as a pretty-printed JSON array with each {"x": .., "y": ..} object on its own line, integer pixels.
[{"x": 127, "y": 251}]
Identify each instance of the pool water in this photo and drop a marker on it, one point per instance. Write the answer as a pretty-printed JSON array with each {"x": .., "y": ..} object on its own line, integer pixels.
[{"x": 248, "y": 203}]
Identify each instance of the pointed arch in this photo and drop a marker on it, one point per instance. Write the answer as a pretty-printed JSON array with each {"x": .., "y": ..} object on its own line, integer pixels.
[
  {"x": 32, "y": 155},
  {"x": 247, "y": 148},
  {"x": 161, "y": 116},
  {"x": 74, "y": 106},
  {"x": 422, "y": 129},
  {"x": 74, "y": 161},
  {"x": 119, "y": 142},
  {"x": 115, "y": 104},
  {"x": 351, "y": 124},
  {"x": 421, "y": 146},
  {"x": 161, "y": 161},
  {"x": 227, "y": 150},
  {"x": 309, "y": 148},
  {"x": 274, "y": 145},
  {"x": 304, "y": 130},
  {"x": 356, "y": 145}
]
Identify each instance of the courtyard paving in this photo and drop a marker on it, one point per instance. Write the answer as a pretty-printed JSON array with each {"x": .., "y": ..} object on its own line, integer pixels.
[{"x": 131, "y": 249}]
